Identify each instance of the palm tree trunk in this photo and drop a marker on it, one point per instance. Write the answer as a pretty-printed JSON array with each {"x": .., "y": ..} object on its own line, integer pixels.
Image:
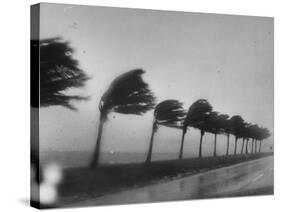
[
  {"x": 215, "y": 146},
  {"x": 260, "y": 146},
  {"x": 253, "y": 140},
  {"x": 227, "y": 148},
  {"x": 255, "y": 145},
  {"x": 242, "y": 150},
  {"x": 182, "y": 143},
  {"x": 149, "y": 154},
  {"x": 235, "y": 148},
  {"x": 247, "y": 144},
  {"x": 96, "y": 155},
  {"x": 200, "y": 147}
]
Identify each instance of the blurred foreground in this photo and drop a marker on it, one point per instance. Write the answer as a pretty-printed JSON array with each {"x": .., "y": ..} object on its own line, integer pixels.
[{"x": 167, "y": 180}]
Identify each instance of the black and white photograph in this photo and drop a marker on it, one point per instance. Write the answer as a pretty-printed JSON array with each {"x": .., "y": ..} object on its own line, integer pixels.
[{"x": 140, "y": 105}]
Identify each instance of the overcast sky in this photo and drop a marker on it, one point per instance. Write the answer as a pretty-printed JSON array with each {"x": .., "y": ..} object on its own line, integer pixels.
[{"x": 225, "y": 59}]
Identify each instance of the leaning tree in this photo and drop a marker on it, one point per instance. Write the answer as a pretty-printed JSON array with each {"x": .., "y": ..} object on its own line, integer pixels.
[
  {"x": 264, "y": 133},
  {"x": 250, "y": 134},
  {"x": 217, "y": 122},
  {"x": 169, "y": 113},
  {"x": 226, "y": 130},
  {"x": 195, "y": 116},
  {"x": 237, "y": 124},
  {"x": 59, "y": 72},
  {"x": 244, "y": 133},
  {"x": 52, "y": 62},
  {"x": 127, "y": 94},
  {"x": 254, "y": 134},
  {"x": 205, "y": 125}
]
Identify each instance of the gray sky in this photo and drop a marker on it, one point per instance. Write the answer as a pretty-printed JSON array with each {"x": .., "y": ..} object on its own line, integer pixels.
[{"x": 225, "y": 59}]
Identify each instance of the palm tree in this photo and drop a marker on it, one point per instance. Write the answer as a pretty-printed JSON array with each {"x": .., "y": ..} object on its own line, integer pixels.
[
  {"x": 254, "y": 131},
  {"x": 215, "y": 126},
  {"x": 247, "y": 145},
  {"x": 237, "y": 124},
  {"x": 253, "y": 141},
  {"x": 52, "y": 62},
  {"x": 59, "y": 71},
  {"x": 127, "y": 94},
  {"x": 243, "y": 144},
  {"x": 263, "y": 134},
  {"x": 195, "y": 116},
  {"x": 205, "y": 125},
  {"x": 218, "y": 122},
  {"x": 169, "y": 113},
  {"x": 245, "y": 135},
  {"x": 227, "y": 130}
]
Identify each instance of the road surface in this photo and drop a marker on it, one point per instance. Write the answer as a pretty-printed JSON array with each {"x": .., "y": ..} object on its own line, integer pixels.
[{"x": 249, "y": 178}]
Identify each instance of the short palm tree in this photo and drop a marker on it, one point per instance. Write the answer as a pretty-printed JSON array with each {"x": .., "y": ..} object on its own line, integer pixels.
[
  {"x": 195, "y": 116},
  {"x": 169, "y": 113},
  {"x": 127, "y": 94}
]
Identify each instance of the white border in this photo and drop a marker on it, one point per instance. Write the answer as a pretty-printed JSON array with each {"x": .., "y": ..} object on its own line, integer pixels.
[{"x": 14, "y": 118}]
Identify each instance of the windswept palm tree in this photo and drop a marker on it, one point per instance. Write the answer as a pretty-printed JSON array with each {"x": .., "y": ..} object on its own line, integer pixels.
[
  {"x": 127, "y": 94},
  {"x": 254, "y": 131},
  {"x": 245, "y": 135},
  {"x": 237, "y": 124},
  {"x": 204, "y": 126},
  {"x": 59, "y": 71},
  {"x": 217, "y": 127},
  {"x": 227, "y": 131},
  {"x": 195, "y": 116},
  {"x": 263, "y": 134},
  {"x": 247, "y": 145},
  {"x": 169, "y": 113}
]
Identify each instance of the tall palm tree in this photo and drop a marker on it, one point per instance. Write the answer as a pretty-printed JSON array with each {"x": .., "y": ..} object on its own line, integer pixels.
[
  {"x": 214, "y": 128},
  {"x": 237, "y": 124},
  {"x": 205, "y": 125},
  {"x": 169, "y": 113},
  {"x": 264, "y": 133},
  {"x": 218, "y": 127},
  {"x": 127, "y": 94},
  {"x": 252, "y": 145},
  {"x": 227, "y": 131},
  {"x": 254, "y": 131},
  {"x": 243, "y": 144},
  {"x": 53, "y": 63},
  {"x": 245, "y": 135},
  {"x": 194, "y": 117},
  {"x": 214, "y": 125},
  {"x": 247, "y": 145}
]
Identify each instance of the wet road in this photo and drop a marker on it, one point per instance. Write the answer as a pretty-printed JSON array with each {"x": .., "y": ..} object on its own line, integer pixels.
[{"x": 252, "y": 177}]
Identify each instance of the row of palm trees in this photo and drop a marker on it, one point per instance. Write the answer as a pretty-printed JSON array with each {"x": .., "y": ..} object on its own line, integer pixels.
[
  {"x": 129, "y": 94},
  {"x": 200, "y": 115}
]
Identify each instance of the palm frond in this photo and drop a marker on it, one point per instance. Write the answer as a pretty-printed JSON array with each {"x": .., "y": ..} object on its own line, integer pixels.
[
  {"x": 197, "y": 112},
  {"x": 128, "y": 94},
  {"x": 170, "y": 113},
  {"x": 59, "y": 71}
]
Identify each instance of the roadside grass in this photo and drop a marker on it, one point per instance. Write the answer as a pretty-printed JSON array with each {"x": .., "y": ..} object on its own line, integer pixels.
[{"x": 83, "y": 183}]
